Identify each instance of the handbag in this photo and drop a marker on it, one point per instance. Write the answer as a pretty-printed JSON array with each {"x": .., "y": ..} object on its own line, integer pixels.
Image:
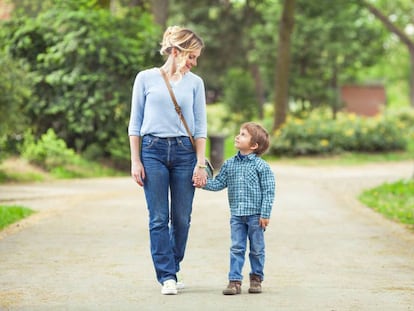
[{"x": 209, "y": 168}]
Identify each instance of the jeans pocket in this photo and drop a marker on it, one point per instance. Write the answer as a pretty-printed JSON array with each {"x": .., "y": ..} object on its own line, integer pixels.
[
  {"x": 148, "y": 142},
  {"x": 185, "y": 144}
]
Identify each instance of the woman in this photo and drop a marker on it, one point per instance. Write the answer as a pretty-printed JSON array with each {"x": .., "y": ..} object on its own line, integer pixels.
[{"x": 163, "y": 159}]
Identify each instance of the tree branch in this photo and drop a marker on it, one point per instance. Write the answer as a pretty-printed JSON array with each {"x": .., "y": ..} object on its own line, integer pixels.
[{"x": 387, "y": 23}]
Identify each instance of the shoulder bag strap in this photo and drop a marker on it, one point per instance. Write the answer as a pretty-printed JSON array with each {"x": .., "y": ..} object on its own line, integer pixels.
[{"x": 177, "y": 107}]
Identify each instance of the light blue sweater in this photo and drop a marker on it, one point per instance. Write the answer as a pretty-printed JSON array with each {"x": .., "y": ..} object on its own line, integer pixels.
[{"x": 152, "y": 109}]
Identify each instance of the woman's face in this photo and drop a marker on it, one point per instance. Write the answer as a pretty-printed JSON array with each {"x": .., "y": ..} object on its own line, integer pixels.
[{"x": 187, "y": 60}]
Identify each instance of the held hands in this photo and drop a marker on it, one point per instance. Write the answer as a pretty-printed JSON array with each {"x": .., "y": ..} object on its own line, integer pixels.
[
  {"x": 199, "y": 177},
  {"x": 138, "y": 173}
]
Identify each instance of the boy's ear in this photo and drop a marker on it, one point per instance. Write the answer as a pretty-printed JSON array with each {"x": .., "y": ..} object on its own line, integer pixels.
[{"x": 254, "y": 146}]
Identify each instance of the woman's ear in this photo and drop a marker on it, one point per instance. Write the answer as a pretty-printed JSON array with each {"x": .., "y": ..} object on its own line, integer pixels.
[{"x": 175, "y": 51}]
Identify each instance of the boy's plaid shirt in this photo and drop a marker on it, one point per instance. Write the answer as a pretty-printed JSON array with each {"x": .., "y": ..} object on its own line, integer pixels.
[{"x": 251, "y": 185}]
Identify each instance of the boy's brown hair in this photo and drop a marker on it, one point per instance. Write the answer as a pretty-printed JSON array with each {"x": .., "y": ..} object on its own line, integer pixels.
[{"x": 259, "y": 136}]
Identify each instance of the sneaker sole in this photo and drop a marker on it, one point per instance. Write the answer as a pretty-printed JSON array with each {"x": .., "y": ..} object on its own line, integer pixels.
[{"x": 169, "y": 292}]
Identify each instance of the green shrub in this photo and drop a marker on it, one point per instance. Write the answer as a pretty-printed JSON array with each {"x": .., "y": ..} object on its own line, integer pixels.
[
  {"x": 15, "y": 91},
  {"x": 51, "y": 153},
  {"x": 318, "y": 133},
  {"x": 83, "y": 62},
  {"x": 48, "y": 152}
]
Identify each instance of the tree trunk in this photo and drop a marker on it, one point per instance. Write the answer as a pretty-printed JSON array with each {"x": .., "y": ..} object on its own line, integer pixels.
[
  {"x": 401, "y": 35},
  {"x": 159, "y": 9},
  {"x": 282, "y": 64}
]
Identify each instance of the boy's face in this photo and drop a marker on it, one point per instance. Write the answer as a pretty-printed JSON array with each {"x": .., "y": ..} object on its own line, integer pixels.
[{"x": 243, "y": 142}]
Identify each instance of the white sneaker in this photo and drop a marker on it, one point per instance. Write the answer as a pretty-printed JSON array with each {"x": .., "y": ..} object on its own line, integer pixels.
[
  {"x": 180, "y": 284},
  {"x": 169, "y": 287}
]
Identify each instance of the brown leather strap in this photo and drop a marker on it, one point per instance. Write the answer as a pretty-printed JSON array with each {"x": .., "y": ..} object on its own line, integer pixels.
[{"x": 177, "y": 107}]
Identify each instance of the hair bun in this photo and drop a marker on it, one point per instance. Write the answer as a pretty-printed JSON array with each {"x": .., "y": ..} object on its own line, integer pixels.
[{"x": 179, "y": 37}]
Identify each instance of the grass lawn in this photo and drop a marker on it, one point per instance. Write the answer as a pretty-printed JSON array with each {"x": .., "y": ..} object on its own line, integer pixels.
[
  {"x": 13, "y": 213},
  {"x": 393, "y": 200}
]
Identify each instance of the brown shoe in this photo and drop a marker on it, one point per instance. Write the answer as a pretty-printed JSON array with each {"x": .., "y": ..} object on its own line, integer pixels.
[
  {"x": 233, "y": 288},
  {"x": 255, "y": 284}
]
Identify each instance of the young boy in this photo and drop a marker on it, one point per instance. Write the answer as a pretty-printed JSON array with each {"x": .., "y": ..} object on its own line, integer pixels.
[{"x": 251, "y": 191}]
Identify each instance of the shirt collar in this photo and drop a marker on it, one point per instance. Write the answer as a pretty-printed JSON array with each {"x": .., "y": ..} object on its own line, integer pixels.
[{"x": 249, "y": 156}]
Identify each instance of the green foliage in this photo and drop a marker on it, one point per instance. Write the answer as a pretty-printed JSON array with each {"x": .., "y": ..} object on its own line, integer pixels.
[
  {"x": 239, "y": 94},
  {"x": 6, "y": 177},
  {"x": 225, "y": 28},
  {"x": 11, "y": 214},
  {"x": 84, "y": 61},
  {"x": 219, "y": 121},
  {"x": 15, "y": 90},
  {"x": 331, "y": 44},
  {"x": 393, "y": 200},
  {"x": 320, "y": 134},
  {"x": 49, "y": 151}
]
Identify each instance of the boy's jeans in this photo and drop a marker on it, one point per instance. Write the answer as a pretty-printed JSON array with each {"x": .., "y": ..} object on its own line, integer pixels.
[
  {"x": 169, "y": 165},
  {"x": 241, "y": 228}
]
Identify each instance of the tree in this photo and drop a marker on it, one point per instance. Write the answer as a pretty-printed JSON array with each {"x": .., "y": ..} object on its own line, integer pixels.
[
  {"x": 400, "y": 33},
  {"x": 15, "y": 90},
  {"x": 283, "y": 62},
  {"x": 332, "y": 43},
  {"x": 84, "y": 62},
  {"x": 159, "y": 9},
  {"x": 225, "y": 27}
]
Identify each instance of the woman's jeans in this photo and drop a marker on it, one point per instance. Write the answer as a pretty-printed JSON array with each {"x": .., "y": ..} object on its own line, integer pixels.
[
  {"x": 169, "y": 165},
  {"x": 243, "y": 227}
]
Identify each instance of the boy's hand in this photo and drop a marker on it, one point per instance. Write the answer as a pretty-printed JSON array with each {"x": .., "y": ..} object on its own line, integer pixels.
[
  {"x": 199, "y": 177},
  {"x": 263, "y": 222}
]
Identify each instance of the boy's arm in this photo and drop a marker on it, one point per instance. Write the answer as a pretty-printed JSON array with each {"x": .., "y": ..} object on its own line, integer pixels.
[
  {"x": 268, "y": 186},
  {"x": 219, "y": 182}
]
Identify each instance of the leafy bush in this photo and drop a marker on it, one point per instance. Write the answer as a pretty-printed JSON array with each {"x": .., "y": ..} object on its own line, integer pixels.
[
  {"x": 15, "y": 90},
  {"x": 84, "y": 61},
  {"x": 318, "y": 133},
  {"x": 219, "y": 122},
  {"x": 49, "y": 151}
]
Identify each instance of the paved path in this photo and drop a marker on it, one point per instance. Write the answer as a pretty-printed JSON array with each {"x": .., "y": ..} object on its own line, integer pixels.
[{"x": 87, "y": 248}]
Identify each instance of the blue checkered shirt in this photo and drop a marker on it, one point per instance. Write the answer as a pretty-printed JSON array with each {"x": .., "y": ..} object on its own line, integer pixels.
[{"x": 251, "y": 185}]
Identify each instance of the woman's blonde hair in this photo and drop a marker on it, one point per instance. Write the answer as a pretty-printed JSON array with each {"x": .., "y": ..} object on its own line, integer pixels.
[{"x": 181, "y": 38}]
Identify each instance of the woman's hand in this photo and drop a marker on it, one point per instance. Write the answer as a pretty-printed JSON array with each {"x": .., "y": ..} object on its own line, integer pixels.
[
  {"x": 138, "y": 172},
  {"x": 199, "y": 177}
]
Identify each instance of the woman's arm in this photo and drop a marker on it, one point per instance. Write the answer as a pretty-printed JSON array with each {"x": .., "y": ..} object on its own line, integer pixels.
[
  {"x": 200, "y": 174},
  {"x": 137, "y": 169}
]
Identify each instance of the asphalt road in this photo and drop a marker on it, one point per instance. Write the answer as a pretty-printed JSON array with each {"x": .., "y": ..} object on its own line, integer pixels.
[{"x": 87, "y": 247}]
